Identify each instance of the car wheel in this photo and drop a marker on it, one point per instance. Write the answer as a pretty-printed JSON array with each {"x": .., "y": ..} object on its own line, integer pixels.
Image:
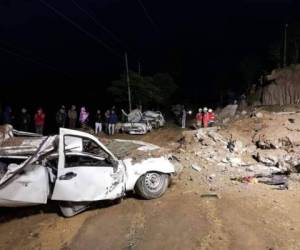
[{"x": 152, "y": 185}]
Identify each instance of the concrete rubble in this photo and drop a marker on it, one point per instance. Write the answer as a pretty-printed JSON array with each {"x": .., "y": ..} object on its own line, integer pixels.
[{"x": 265, "y": 145}]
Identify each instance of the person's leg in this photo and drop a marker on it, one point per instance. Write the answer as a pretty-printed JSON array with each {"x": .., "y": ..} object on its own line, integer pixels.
[
  {"x": 109, "y": 128},
  {"x": 96, "y": 127},
  {"x": 113, "y": 128},
  {"x": 183, "y": 123},
  {"x": 72, "y": 123},
  {"x": 39, "y": 129},
  {"x": 100, "y": 127}
]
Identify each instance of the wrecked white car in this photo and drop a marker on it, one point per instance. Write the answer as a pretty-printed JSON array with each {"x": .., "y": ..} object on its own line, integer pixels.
[
  {"x": 155, "y": 118},
  {"x": 76, "y": 169},
  {"x": 135, "y": 124}
]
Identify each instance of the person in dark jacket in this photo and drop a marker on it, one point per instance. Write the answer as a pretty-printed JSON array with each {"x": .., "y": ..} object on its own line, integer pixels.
[
  {"x": 112, "y": 121},
  {"x": 98, "y": 122},
  {"x": 72, "y": 115},
  {"x": 7, "y": 115},
  {"x": 24, "y": 120},
  {"x": 106, "y": 120},
  {"x": 61, "y": 117}
]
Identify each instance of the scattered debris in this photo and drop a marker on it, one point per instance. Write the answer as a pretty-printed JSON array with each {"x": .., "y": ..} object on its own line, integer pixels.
[
  {"x": 195, "y": 167},
  {"x": 211, "y": 177},
  {"x": 259, "y": 115},
  {"x": 251, "y": 148},
  {"x": 274, "y": 180},
  {"x": 245, "y": 179},
  {"x": 211, "y": 195}
]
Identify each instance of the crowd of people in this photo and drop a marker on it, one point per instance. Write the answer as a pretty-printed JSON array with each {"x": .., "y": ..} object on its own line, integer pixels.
[{"x": 71, "y": 119}]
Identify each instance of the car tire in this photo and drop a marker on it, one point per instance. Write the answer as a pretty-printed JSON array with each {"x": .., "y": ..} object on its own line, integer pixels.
[{"x": 152, "y": 185}]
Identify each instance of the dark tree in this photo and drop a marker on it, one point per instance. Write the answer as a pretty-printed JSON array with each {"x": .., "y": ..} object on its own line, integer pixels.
[{"x": 151, "y": 91}]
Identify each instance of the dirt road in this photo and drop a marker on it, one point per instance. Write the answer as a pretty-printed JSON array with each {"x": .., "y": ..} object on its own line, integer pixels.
[{"x": 245, "y": 216}]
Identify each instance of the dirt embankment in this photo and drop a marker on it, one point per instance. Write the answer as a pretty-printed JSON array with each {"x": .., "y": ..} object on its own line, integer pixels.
[{"x": 284, "y": 87}]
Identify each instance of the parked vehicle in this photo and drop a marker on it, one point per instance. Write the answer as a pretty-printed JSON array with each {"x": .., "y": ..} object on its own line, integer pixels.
[
  {"x": 141, "y": 123},
  {"x": 76, "y": 169},
  {"x": 155, "y": 118},
  {"x": 135, "y": 123}
]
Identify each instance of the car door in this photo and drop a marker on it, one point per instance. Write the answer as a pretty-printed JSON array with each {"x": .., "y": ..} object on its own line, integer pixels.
[
  {"x": 86, "y": 172},
  {"x": 27, "y": 183}
]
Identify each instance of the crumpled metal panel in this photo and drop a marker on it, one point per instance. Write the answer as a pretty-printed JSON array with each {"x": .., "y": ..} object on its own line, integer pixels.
[
  {"x": 29, "y": 188},
  {"x": 44, "y": 148}
]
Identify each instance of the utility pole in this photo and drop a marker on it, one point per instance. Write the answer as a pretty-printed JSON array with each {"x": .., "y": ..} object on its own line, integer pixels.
[
  {"x": 285, "y": 45},
  {"x": 128, "y": 82}
]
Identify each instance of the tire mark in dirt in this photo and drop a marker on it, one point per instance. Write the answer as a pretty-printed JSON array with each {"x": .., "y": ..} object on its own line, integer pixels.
[
  {"x": 137, "y": 228},
  {"x": 216, "y": 238}
]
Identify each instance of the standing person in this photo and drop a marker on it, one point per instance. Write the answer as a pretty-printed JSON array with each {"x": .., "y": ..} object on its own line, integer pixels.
[
  {"x": 39, "y": 121},
  {"x": 112, "y": 121},
  {"x": 205, "y": 118},
  {"x": 7, "y": 115},
  {"x": 61, "y": 117},
  {"x": 1, "y": 116},
  {"x": 83, "y": 117},
  {"x": 211, "y": 118},
  {"x": 24, "y": 120},
  {"x": 72, "y": 115},
  {"x": 106, "y": 120},
  {"x": 199, "y": 118},
  {"x": 98, "y": 122},
  {"x": 183, "y": 117}
]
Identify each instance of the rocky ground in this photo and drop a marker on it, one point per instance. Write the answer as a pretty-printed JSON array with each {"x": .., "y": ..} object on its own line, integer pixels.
[{"x": 217, "y": 200}]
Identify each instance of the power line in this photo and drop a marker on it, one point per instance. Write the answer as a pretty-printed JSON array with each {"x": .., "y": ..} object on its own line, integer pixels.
[
  {"x": 119, "y": 41},
  {"x": 36, "y": 59},
  {"x": 147, "y": 14},
  {"x": 97, "y": 23},
  {"x": 32, "y": 60},
  {"x": 90, "y": 35}
]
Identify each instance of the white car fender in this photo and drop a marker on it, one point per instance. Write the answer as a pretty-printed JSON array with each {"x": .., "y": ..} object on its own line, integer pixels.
[{"x": 135, "y": 170}]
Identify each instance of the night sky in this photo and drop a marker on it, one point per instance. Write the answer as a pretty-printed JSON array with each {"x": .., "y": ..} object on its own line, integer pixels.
[{"x": 69, "y": 51}]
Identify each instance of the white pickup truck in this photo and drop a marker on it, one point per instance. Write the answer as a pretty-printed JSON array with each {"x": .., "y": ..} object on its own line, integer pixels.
[{"x": 76, "y": 169}]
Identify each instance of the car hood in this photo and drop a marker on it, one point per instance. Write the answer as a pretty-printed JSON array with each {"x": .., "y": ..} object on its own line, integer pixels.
[{"x": 133, "y": 149}]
